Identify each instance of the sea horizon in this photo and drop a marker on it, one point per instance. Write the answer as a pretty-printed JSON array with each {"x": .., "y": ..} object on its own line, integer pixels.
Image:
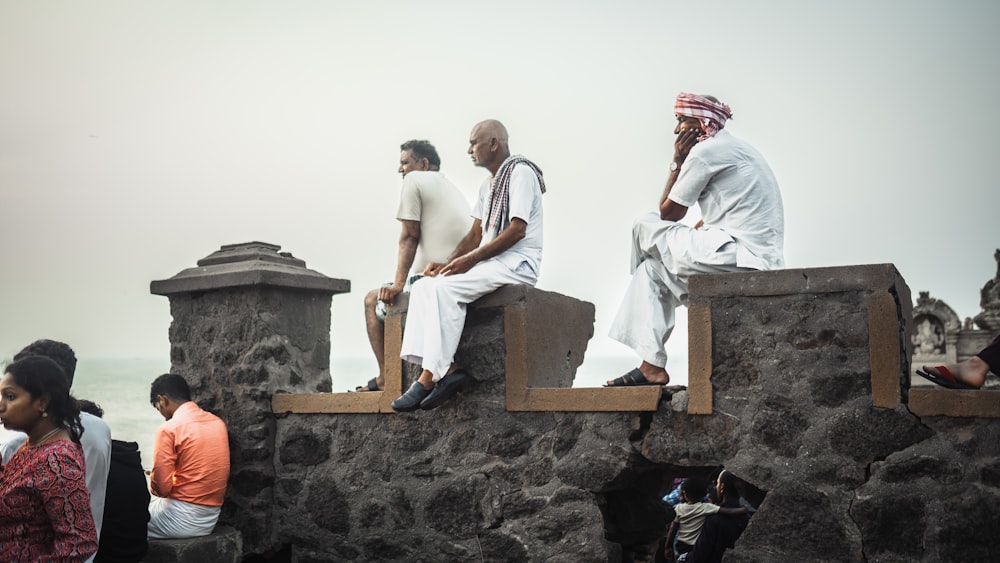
[{"x": 120, "y": 386}]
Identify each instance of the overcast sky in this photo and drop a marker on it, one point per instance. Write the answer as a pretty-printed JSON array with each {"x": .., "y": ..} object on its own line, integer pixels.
[{"x": 137, "y": 137}]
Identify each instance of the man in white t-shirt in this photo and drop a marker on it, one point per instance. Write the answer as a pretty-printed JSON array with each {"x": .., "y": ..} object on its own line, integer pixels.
[
  {"x": 742, "y": 228},
  {"x": 96, "y": 437},
  {"x": 434, "y": 216},
  {"x": 503, "y": 246}
]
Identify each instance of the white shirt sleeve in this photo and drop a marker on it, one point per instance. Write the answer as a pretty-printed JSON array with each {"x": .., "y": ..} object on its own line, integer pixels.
[
  {"x": 523, "y": 187},
  {"x": 11, "y": 446},
  {"x": 409, "y": 199},
  {"x": 691, "y": 181},
  {"x": 484, "y": 193},
  {"x": 96, "y": 442}
]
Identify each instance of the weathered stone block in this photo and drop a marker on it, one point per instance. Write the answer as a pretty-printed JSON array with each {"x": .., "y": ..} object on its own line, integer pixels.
[
  {"x": 224, "y": 545},
  {"x": 799, "y": 523},
  {"x": 556, "y": 329}
]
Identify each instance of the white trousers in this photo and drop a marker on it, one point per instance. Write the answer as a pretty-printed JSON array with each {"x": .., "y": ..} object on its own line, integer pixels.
[
  {"x": 436, "y": 315},
  {"x": 665, "y": 254},
  {"x": 172, "y": 518}
]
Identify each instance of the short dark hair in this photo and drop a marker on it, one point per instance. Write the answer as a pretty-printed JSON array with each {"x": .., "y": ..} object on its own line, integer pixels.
[
  {"x": 41, "y": 376},
  {"x": 695, "y": 488},
  {"x": 59, "y": 352},
  {"x": 422, "y": 149},
  {"x": 170, "y": 385},
  {"x": 90, "y": 407}
]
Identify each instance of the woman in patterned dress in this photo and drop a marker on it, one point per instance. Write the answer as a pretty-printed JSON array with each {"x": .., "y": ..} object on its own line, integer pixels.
[{"x": 44, "y": 505}]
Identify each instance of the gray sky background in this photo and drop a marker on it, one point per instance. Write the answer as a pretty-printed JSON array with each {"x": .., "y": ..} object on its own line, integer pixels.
[{"x": 137, "y": 137}]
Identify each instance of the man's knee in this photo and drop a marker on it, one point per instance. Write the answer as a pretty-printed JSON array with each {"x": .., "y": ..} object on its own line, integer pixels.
[
  {"x": 371, "y": 298},
  {"x": 650, "y": 270}
]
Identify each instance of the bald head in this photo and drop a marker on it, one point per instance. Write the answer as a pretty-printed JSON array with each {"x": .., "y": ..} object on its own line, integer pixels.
[
  {"x": 488, "y": 144},
  {"x": 494, "y": 129}
]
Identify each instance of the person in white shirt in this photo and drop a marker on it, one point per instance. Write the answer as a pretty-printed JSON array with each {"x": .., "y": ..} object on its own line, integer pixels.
[
  {"x": 742, "y": 228},
  {"x": 503, "y": 246},
  {"x": 435, "y": 217}
]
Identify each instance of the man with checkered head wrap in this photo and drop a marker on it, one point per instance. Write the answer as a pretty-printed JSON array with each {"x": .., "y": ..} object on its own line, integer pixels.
[{"x": 742, "y": 228}]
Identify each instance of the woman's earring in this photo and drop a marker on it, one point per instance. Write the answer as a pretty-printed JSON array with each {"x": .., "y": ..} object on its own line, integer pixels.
[{"x": 45, "y": 414}]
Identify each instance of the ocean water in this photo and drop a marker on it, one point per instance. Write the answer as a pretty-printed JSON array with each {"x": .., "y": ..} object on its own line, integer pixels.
[{"x": 121, "y": 387}]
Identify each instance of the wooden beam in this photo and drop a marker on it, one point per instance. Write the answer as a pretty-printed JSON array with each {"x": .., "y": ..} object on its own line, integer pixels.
[
  {"x": 515, "y": 335},
  {"x": 883, "y": 350},
  {"x": 590, "y": 399},
  {"x": 955, "y": 402},
  {"x": 329, "y": 403},
  {"x": 699, "y": 357},
  {"x": 394, "y": 365}
]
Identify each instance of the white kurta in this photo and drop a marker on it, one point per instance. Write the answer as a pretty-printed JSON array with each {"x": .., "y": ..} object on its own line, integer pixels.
[
  {"x": 665, "y": 254},
  {"x": 436, "y": 314},
  {"x": 744, "y": 230}
]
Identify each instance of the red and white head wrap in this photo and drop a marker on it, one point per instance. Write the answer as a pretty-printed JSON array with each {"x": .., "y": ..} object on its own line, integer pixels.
[{"x": 712, "y": 115}]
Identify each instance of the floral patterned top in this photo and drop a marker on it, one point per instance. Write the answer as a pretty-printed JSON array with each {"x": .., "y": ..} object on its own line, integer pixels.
[{"x": 44, "y": 506}]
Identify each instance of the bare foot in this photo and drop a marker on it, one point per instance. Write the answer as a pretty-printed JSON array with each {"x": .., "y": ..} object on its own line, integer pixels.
[{"x": 972, "y": 371}]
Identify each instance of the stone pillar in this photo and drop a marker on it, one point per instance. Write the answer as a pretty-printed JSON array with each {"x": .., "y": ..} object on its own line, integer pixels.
[{"x": 248, "y": 322}]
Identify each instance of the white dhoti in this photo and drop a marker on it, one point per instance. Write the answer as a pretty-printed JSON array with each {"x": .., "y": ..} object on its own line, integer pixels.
[
  {"x": 172, "y": 518},
  {"x": 436, "y": 315},
  {"x": 665, "y": 254}
]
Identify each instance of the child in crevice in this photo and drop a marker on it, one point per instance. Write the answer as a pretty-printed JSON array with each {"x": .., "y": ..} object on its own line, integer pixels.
[{"x": 691, "y": 513}]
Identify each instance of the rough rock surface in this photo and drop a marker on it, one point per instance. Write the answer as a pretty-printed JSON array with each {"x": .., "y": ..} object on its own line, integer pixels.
[
  {"x": 236, "y": 347},
  {"x": 465, "y": 482},
  {"x": 836, "y": 478}
]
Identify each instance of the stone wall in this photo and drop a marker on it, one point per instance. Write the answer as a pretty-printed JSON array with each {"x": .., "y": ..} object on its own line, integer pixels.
[
  {"x": 792, "y": 415},
  {"x": 468, "y": 481},
  {"x": 807, "y": 382}
]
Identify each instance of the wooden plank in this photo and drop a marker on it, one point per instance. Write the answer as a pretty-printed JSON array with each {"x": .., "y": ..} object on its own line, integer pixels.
[
  {"x": 699, "y": 357},
  {"x": 883, "y": 350},
  {"x": 329, "y": 403},
  {"x": 590, "y": 399},
  {"x": 515, "y": 334},
  {"x": 939, "y": 401},
  {"x": 393, "y": 364}
]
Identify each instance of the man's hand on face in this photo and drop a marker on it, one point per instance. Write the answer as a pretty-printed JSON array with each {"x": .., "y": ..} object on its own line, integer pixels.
[{"x": 687, "y": 137}]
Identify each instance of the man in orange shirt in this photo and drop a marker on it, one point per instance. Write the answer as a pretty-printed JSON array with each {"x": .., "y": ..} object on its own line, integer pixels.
[{"x": 190, "y": 463}]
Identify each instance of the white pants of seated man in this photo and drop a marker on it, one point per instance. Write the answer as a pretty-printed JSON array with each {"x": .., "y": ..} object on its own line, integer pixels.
[
  {"x": 665, "y": 254},
  {"x": 436, "y": 314},
  {"x": 172, "y": 518}
]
